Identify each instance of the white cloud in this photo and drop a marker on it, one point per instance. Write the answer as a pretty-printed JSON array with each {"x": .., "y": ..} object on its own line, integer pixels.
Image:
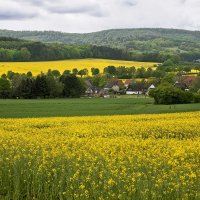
[{"x": 94, "y": 15}]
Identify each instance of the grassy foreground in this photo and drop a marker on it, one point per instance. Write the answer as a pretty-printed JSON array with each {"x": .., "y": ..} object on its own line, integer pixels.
[
  {"x": 86, "y": 107},
  {"x": 37, "y": 67},
  {"x": 112, "y": 157}
]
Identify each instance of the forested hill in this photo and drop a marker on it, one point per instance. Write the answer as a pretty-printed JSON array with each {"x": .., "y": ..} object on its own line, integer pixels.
[
  {"x": 143, "y": 44},
  {"x": 121, "y": 38}
]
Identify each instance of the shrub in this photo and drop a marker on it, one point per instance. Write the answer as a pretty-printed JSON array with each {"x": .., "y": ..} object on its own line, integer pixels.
[
  {"x": 168, "y": 94},
  {"x": 197, "y": 98}
]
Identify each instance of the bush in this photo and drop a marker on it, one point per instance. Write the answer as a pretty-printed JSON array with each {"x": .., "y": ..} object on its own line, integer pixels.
[
  {"x": 168, "y": 94},
  {"x": 196, "y": 98},
  {"x": 168, "y": 62}
]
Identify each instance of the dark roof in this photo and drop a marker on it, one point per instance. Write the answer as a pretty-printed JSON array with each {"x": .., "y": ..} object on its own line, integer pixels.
[
  {"x": 139, "y": 86},
  {"x": 181, "y": 85},
  {"x": 187, "y": 80},
  {"x": 113, "y": 82},
  {"x": 128, "y": 82},
  {"x": 88, "y": 83}
]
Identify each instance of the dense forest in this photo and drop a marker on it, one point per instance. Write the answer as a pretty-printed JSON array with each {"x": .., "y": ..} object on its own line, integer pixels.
[
  {"x": 22, "y": 50},
  {"x": 155, "y": 45}
]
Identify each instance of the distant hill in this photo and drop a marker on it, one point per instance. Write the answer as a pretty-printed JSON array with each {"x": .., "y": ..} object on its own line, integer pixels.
[
  {"x": 144, "y": 44},
  {"x": 122, "y": 38}
]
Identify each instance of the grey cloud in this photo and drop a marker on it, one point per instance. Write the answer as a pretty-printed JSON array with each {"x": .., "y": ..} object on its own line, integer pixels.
[
  {"x": 32, "y": 2},
  {"x": 64, "y": 15},
  {"x": 60, "y": 7},
  {"x": 180, "y": 2},
  {"x": 68, "y": 9},
  {"x": 37, "y": 2},
  {"x": 183, "y": 1},
  {"x": 130, "y": 2},
  {"x": 14, "y": 15},
  {"x": 90, "y": 9},
  {"x": 12, "y": 10},
  {"x": 98, "y": 13}
]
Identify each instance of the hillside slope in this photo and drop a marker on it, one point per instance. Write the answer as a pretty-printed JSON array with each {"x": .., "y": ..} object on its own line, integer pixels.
[
  {"x": 181, "y": 43},
  {"x": 123, "y": 38}
]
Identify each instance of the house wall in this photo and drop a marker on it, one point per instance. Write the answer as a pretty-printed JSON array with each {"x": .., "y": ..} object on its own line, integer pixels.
[{"x": 133, "y": 92}]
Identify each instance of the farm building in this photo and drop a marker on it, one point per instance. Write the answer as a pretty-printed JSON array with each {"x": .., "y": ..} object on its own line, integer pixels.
[
  {"x": 139, "y": 88},
  {"x": 114, "y": 82},
  {"x": 90, "y": 89},
  {"x": 185, "y": 82},
  {"x": 136, "y": 88}
]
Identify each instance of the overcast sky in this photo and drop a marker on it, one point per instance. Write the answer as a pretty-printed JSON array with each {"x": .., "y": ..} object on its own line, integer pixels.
[{"x": 95, "y": 15}]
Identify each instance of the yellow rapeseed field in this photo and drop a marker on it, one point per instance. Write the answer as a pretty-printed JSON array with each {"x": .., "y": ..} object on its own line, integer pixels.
[
  {"x": 111, "y": 157},
  {"x": 38, "y": 67}
]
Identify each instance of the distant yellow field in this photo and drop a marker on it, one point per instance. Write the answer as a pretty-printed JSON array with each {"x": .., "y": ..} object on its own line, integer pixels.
[{"x": 38, "y": 67}]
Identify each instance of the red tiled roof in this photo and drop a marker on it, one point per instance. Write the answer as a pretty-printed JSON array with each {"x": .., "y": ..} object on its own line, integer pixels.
[
  {"x": 128, "y": 81},
  {"x": 188, "y": 79}
]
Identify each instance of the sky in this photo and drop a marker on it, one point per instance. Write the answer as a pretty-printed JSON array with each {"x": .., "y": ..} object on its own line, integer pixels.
[{"x": 82, "y": 16}]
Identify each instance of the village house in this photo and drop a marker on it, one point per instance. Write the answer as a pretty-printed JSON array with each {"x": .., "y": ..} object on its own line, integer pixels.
[
  {"x": 185, "y": 82},
  {"x": 91, "y": 90},
  {"x": 139, "y": 88},
  {"x": 128, "y": 82},
  {"x": 151, "y": 87},
  {"x": 114, "y": 86},
  {"x": 114, "y": 82},
  {"x": 135, "y": 88}
]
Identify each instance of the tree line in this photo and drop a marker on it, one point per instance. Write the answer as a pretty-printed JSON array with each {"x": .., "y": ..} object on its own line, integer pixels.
[
  {"x": 50, "y": 85},
  {"x": 15, "y": 50},
  {"x": 159, "y": 71}
]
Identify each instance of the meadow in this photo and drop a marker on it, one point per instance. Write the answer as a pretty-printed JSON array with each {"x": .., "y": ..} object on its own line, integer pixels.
[
  {"x": 38, "y": 67},
  {"x": 124, "y": 105},
  {"x": 108, "y": 157}
]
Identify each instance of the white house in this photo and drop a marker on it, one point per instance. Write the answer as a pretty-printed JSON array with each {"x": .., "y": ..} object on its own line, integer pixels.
[{"x": 150, "y": 88}]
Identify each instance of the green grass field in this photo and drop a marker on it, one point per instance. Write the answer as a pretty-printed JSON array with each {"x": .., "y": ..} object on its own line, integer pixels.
[{"x": 86, "y": 107}]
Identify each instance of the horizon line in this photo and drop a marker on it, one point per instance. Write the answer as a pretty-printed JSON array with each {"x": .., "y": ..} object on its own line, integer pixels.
[{"x": 111, "y": 29}]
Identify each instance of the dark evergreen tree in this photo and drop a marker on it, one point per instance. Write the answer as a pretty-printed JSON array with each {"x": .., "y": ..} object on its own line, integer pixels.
[
  {"x": 4, "y": 88},
  {"x": 27, "y": 87},
  {"x": 95, "y": 71},
  {"x": 110, "y": 70},
  {"x": 41, "y": 88},
  {"x": 72, "y": 86}
]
